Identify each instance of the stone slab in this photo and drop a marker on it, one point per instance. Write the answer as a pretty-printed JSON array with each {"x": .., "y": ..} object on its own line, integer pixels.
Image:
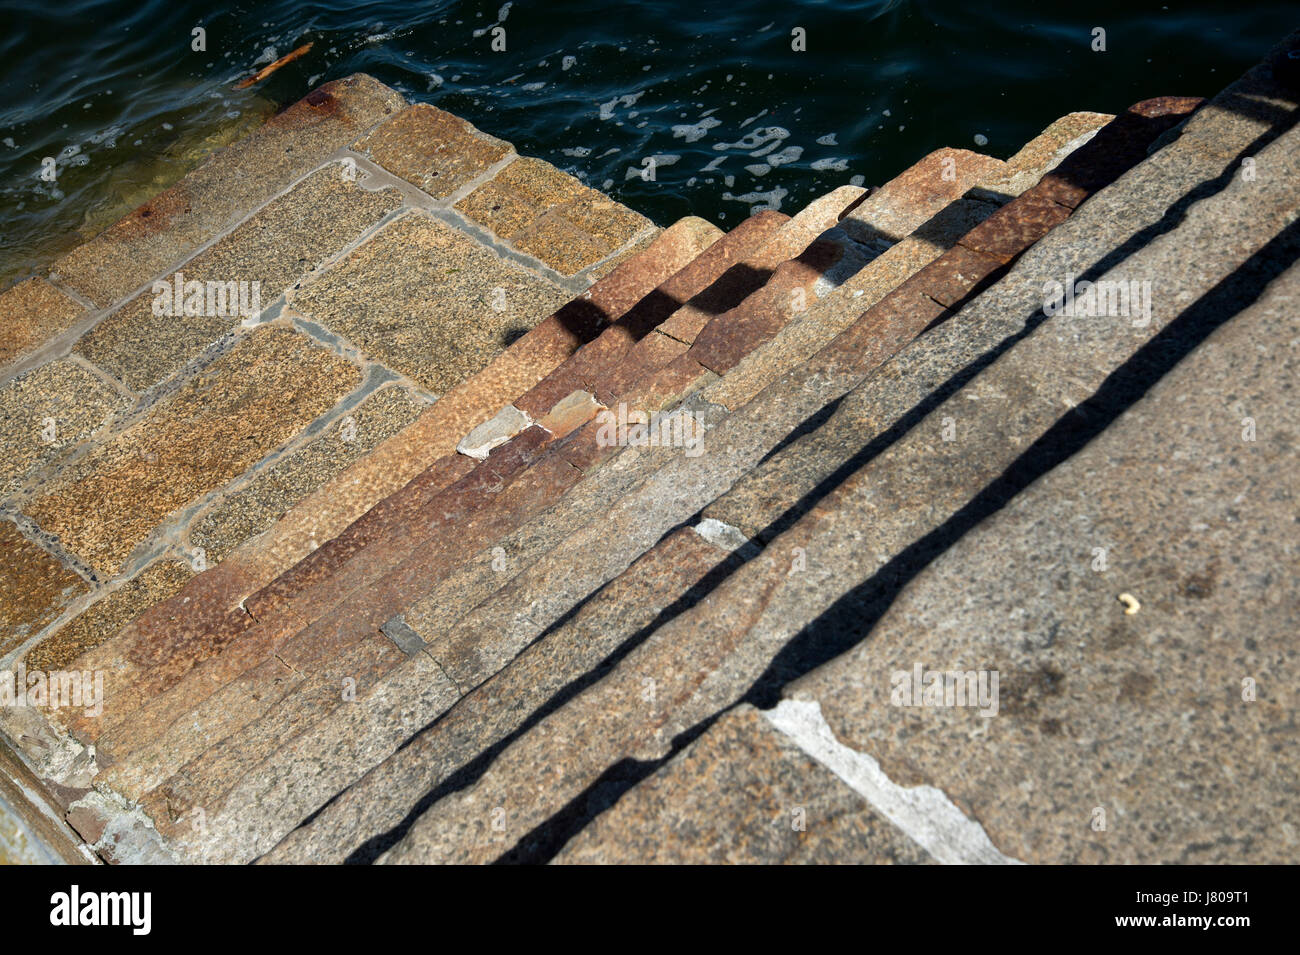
[
  {"x": 231, "y": 184},
  {"x": 432, "y": 149},
  {"x": 267, "y": 389},
  {"x": 429, "y": 301},
  {"x": 33, "y": 312}
]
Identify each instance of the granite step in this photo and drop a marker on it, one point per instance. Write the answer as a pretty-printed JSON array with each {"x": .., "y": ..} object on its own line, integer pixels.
[
  {"x": 815, "y": 589},
  {"x": 1153, "y": 732},
  {"x": 544, "y": 482},
  {"x": 139, "y": 736},
  {"x": 743, "y": 793},
  {"x": 765, "y": 607},
  {"x": 427, "y": 698}
]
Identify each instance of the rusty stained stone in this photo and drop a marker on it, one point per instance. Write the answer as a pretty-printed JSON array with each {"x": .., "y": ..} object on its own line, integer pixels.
[
  {"x": 731, "y": 336},
  {"x": 958, "y": 274},
  {"x": 1117, "y": 147},
  {"x": 105, "y": 618},
  {"x": 1016, "y": 226},
  {"x": 587, "y": 367},
  {"x": 317, "y": 583},
  {"x": 34, "y": 587}
]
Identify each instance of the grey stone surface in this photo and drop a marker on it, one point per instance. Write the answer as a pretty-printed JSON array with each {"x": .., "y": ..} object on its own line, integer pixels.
[
  {"x": 1141, "y": 722},
  {"x": 742, "y": 794}
]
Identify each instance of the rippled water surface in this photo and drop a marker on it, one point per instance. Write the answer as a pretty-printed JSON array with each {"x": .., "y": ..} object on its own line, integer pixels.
[{"x": 731, "y": 114}]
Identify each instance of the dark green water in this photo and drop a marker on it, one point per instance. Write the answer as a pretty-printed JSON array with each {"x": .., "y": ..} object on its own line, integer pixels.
[{"x": 734, "y": 116}]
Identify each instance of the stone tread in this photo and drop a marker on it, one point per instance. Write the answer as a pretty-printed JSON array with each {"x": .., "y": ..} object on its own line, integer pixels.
[
  {"x": 214, "y": 595},
  {"x": 1185, "y": 767}
]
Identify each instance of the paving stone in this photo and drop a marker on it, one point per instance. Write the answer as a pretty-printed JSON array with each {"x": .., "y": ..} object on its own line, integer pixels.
[
  {"x": 104, "y": 618},
  {"x": 243, "y": 514},
  {"x": 32, "y": 313},
  {"x": 47, "y": 413},
  {"x": 34, "y": 588},
  {"x": 432, "y": 149},
  {"x": 742, "y": 794},
  {"x": 571, "y": 414},
  {"x": 289, "y": 238},
  {"x": 365, "y": 575},
  {"x": 1141, "y": 717},
  {"x": 228, "y": 186},
  {"x": 590, "y": 364},
  {"x": 255, "y": 398},
  {"x": 552, "y": 216},
  {"x": 495, "y": 711},
  {"x": 1007, "y": 232},
  {"x": 429, "y": 301}
]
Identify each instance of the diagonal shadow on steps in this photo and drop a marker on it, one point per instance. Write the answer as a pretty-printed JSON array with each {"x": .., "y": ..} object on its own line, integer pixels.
[
  {"x": 549, "y": 836},
  {"x": 850, "y": 619}
]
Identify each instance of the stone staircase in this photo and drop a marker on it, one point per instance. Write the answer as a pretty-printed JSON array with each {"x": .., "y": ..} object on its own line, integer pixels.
[{"x": 512, "y": 527}]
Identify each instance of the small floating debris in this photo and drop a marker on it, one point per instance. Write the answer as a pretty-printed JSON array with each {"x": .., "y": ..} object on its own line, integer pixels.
[
  {"x": 1131, "y": 605},
  {"x": 266, "y": 71}
]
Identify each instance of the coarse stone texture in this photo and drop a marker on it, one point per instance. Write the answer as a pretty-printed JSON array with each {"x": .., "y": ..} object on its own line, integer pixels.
[
  {"x": 242, "y": 514},
  {"x": 34, "y": 587},
  {"x": 432, "y": 149},
  {"x": 429, "y": 301},
  {"x": 201, "y": 619},
  {"x": 108, "y": 615},
  {"x": 550, "y": 215},
  {"x": 328, "y": 511},
  {"x": 741, "y": 794},
  {"x": 289, "y": 238},
  {"x": 48, "y": 412},
  {"x": 1044, "y": 153},
  {"x": 235, "y": 181},
  {"x": 764, "y": 609},
  {"x": 32, "y": 313},
  {"x": 369, "y": 815},
  {"x": 216, "y": 426},
  {"x": 1150, "y": 717}
]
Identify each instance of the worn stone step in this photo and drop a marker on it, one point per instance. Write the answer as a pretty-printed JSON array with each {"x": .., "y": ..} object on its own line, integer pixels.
[
  {"x": 1160, "y": 735},
  {"x": 325, "y": 514},
  {"x": 768, "y": 602},
  {"x": 381, "y": 799},
  {"x": 744, "y": 793},
  {"x": 433, "y": 696},
  {"x": 788, "y": 607},
  {"x": 396, "y": 527},
  {"x": 214, "y": 597},
  {"x": 543, "y": 484}
]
